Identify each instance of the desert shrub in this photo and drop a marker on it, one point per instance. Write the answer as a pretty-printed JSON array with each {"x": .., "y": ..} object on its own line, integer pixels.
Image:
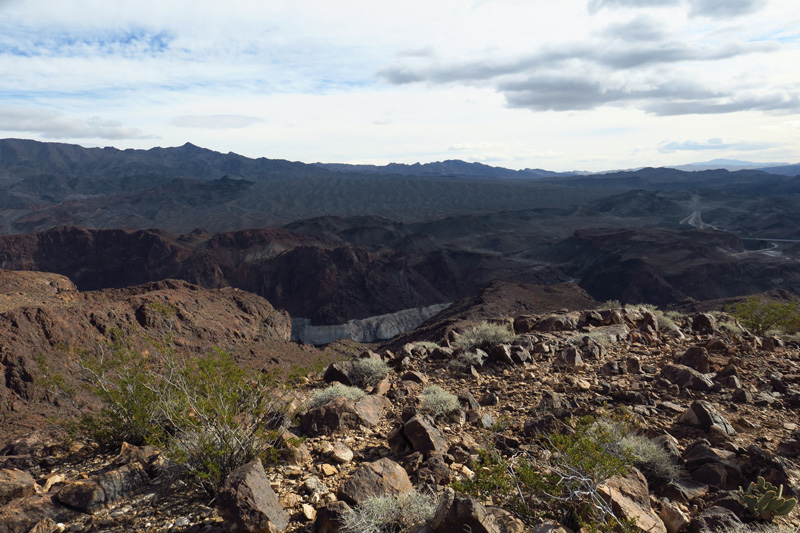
[
  {"x": 624, "y": 442},
  {"x": 390, "y": 514},
  {"x": 126, "y": 382},
  {"x": 465, "y": 360},
  {"x": 367, "y": 372},
  {"x": 323, "y": 396},
  {"x": 209, "y": 415},
  {"x": 567, "y": 482},
  {"x": 485, "y": 335},
  {"x": 437, "y": 401},
  {"x": 760, "y": 315},
  {"x": 427, "y": 345},
  {"x": 610, "y": 304},
  {"x": 220, "y": 417}
]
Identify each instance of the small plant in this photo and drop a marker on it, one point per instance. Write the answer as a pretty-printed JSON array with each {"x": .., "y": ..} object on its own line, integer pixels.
[
  {"x": 427, "y": 345},
  {"x": 610, "y": 304},
  {"x": 390, "y": 514},
  {"x": 765, "y": 501},
  {"x": 485, "y": 335},
  {"x": 323, "y": 396},
  {"x": 437, "y": 401},
  {"x": 466, "y": 360},
  {"x": 761, "y": 315},
  {"x": 367, "y": 372}
]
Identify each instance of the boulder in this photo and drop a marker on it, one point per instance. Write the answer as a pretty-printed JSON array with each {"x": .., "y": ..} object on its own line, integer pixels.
[
  {"x": 703, "y": 415},
  {"x": 329, "y": 518},
  {"x": 383, "y": 477},
  {"x": 687, "y": 378},
  {"x": 697, "y": 358},
  {"x": 93, "y": 494},
  {"x": 247, "y": 502},
  {"x": 15, "y": 484},
  {"x": 424, "y": 436},
  {"x": 341, "y": 413},
  {"x": 457, "y": 512},
  {"x": 22, "y": 514},
  {"x": 629, "y": 499}
]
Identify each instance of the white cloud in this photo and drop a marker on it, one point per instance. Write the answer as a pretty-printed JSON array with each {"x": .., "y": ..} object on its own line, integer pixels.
[
  {"x": 55, "y": 125},
  {"x": 215, "y": 122}
]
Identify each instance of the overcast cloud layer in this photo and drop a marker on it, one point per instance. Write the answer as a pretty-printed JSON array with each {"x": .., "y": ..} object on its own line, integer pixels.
[{"x": 556, "y": 84}]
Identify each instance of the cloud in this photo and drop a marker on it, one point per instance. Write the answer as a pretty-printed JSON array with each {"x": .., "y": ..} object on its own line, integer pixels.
[
  {"x": 669, "y": 147},
  {"x": 56, "y": 125},
  {"x": 638, "y": 29},
  {"x": 215, "y": 122},
  {"x": 697, "y": 8}
]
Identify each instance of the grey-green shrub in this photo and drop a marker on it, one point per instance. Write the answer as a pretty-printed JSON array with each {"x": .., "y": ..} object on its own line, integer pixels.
[
  {"x": 485, "y": 335},
  {"x": 437, "y": 401},
  {"x": 367, "y": 372},
  {"x": 389, "y": 514},
  {"x": 323, "y": 396}
]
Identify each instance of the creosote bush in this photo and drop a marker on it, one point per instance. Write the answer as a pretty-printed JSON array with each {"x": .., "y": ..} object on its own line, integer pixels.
[
  {"x": 390, "y": 514},
  {"x": 323, "y": 396},
  {"x": 209, "y": 415},
  {"x": 485, "y": 335},
  {"x": 437, "y": 401},
  {"x": 367, "y": 372},
  {"x": 760, "y": 315}
]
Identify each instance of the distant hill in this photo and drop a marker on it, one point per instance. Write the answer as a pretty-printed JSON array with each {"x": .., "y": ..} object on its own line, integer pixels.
[
  {"x": 728, "y": 164},
  {"x": 452, "y": 167}
]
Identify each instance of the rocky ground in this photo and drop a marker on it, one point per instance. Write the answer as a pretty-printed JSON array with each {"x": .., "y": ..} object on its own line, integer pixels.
[{"x": 722, "y": 403}]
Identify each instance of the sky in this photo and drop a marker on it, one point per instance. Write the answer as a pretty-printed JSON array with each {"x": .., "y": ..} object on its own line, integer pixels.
[{"x": 554, "y": 84}]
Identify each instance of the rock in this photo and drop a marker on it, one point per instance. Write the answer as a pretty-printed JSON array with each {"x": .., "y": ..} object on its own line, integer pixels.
[
  {"x": 434, "y": 471},
  {"x": 570, "y": 358},
  {"x": 15, "y": 484},
  {"x": 424, "y": 436},
  {"x": 338, "y": 371},
  {"x": 135, "y": 454},
  {"x": 550, "y": 527},
  {"x": 566, "y": 322},
  {"x": 467, "y": 400},
  {"x": 93, "y": 494},
  {"x": 715, "y": 519},
  {"x": 687, "y": 378},
  {"x": 341, "y": 453},
  {"x": 697, "y": 358},
  {"x": 457, "y": 512},
  {"x": 501, "y": 354},
  {"x": 545, "y": 425},
  {"x": 22, "y": 514},
  {"x": 247, "y": 502},
  {"x": 703, "y": 415},
  {"x": 383, "y": 477},
  {"x": 712, "y": 466},
  {"x": 674, "y": 519},
  {"x": 340, "y": 414},
  {"x": 630, "y": 499},
  {"x": 415, "y": 376},
  {"x": 308, "y": 512},
  {"x": 329, "y": 518},
  {"x": 46, "y": 525},
  {"x": 704, "y": 323}
]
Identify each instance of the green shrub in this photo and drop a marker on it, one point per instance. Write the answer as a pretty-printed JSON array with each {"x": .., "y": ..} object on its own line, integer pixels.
[
  {"x": 390, "y": 514},
  {"x": 485, "y": 335},
  {"x": 127, "y": 383},
  {"x": 323, "y": 396},
  {"x": 209, "y": 415},
  {"x": 437, "y": 401},
  {"x": 367, "y": 372},
  {"x": 760, "y": 315}
]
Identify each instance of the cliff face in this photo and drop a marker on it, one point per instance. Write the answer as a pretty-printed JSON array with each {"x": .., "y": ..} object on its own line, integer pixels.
[{"x": 316, "y": 277}]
